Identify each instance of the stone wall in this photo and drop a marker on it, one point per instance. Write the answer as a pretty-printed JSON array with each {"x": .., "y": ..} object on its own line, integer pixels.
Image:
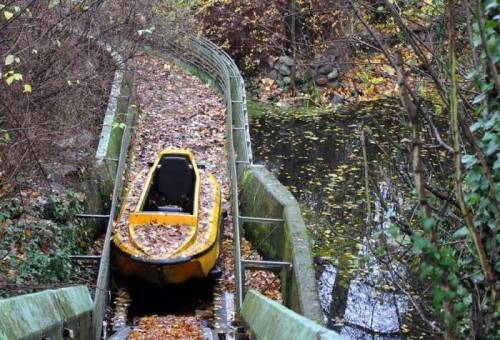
[{"x": 323, "y": 72}]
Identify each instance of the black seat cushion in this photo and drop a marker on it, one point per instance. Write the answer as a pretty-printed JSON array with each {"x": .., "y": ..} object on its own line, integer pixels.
[{"x": 175, "y": 181}]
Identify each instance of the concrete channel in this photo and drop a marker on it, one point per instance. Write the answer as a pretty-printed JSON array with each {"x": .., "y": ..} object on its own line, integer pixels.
[{"x": 262, "y": 208}]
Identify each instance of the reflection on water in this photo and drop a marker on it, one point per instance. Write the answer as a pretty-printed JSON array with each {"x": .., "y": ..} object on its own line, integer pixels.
[
  {"x": 320, "y": 158},
  {"x": 368, "y": 312}
]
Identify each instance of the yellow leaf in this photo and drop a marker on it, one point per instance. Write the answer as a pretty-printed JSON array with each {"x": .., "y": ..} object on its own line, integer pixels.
[
  {"x": 388, "y": 69},
  {"x": 378, "y": 80},
  {"x": 8, "y": 15},
  {"x": 27, "y": 88}
]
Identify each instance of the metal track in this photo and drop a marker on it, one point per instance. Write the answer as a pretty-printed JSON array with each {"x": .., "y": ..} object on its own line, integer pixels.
[
  {"x": 216, "y": 64},
  {"x": 205, "y": 56}
]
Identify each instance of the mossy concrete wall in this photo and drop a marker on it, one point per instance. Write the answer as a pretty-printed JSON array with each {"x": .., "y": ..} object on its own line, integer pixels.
[
  {"x": 270, "y": 320},
  {"x": 47, "y": 314},
  {"x": 262, "y": 195},
  {"x": 108, "y": 149}
]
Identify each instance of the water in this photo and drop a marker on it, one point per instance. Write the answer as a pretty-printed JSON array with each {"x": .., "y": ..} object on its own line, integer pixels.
[{"x": 363, "y": 279}]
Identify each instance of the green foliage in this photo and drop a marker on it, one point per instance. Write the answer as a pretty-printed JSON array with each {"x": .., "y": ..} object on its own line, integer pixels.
[
  {"x": 38, "y": 238},
  {"x": 451, "y": 260},
  {"x": 440, "y": 266},
  {"x": 480, "y": 189}
]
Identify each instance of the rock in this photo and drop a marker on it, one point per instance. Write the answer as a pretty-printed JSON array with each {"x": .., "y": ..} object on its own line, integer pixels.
[
  {"x": 274, "y": 74},
  {"x": 305, "y": 75},
  {"x": 271, "y": 61},
  {"x": 285, "y": 70},
  {"x": 287, "y": 80},
  {"x": 321, "y": 81},
  {"x": 325, "y": 69},
  {"x": 332, "y": 84},
  {"x": 334, "y": 74},
  {"x": 337, "y": 99},
  {"x": 288, "y": 61}
]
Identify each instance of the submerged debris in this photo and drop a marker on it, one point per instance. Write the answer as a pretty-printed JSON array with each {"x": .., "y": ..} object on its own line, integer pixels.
[
  {"x": 167, "y": 327},
  {"x": 120, "y": 310}
]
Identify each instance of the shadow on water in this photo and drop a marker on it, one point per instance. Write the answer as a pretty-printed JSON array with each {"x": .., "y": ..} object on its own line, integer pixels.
[{"x": 320, "y": 158}]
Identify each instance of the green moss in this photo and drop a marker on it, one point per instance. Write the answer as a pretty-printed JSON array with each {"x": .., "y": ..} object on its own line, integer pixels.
[
  {"x": 257, "y": 108},
  {"x": 309, "y": 110},
  {"x": 270, "y": 320}
]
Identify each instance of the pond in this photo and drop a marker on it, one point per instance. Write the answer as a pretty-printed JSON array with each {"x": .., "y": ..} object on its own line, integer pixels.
[{"x": 366, "y": 289}]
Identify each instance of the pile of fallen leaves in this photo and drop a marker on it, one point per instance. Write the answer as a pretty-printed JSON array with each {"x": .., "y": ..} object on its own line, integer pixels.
[
  {"x": 167, "y": 327},
  {"x": 163, "y": 241}
]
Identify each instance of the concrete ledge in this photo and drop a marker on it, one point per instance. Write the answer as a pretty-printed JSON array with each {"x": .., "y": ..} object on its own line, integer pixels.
[
  {"x": 263, "y": 195},
  {"x": 108, "y": 149},
  {"x": 268, "y": 319},
  {"x": 46, "y": 314}
]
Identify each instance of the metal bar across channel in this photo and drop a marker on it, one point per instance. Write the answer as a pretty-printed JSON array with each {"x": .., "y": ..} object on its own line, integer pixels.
[
  {"x": 91, "y": 216},
  {"x": 265, "y": 265},
  {"x": 86, "y": 257},
  {"x": 250, "y": 219}
]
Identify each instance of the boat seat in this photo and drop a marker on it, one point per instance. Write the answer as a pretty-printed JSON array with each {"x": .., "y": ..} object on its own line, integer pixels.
[{"x": 176, "y": 181}]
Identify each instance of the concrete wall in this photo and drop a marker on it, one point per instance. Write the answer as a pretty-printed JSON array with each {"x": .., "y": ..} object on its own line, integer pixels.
[
  {"x": 262, "y": 195},
  {"x": 47, "y": 314},
  {"x": 269, "y": 320},
  {"x": 108, "y": 149}
]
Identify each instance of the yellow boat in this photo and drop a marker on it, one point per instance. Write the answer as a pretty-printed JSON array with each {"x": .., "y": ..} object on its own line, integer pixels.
[{"x": 173, "y": 233}]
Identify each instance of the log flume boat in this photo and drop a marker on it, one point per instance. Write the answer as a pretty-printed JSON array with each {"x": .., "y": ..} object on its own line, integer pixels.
[{"x": 172, "y": 233}]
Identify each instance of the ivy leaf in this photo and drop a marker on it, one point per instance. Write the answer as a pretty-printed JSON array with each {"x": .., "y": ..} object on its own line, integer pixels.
[
  {"x": 496, "y": 165},
  {"x": 419, "y": 245},
  {"x": 469, "y": 160},
  {"x": 6, "y": 136},
  {"x": 478, "y": 277},
  {"x": 461, "y": 232},
  {"x": 8, "y": 15},
  {"x": 54, "y": 3},
  {"x": 9, "y": 59},
  {"x": 474, "y": 199},
  {"x": 479, "y": 98},
  {"x": 12, "y": 77}
]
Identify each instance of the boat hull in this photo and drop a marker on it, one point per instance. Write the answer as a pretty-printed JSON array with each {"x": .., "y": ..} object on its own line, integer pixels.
[
  {"x": 194, "y": 258},
  {"x": 166, "y": 272}
]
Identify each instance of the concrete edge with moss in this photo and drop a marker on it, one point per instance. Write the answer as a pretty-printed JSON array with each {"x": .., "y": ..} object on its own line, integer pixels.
[
  {"x": 270, "y": 320},
  {"x": 262, "y": 195},
  {"x": 51, "y": 314},
  {"x": 117, "y": 111}
]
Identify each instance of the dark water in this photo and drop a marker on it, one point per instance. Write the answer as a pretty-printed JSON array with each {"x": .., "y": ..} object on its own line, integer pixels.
[{"x": 361, "y": 255}]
